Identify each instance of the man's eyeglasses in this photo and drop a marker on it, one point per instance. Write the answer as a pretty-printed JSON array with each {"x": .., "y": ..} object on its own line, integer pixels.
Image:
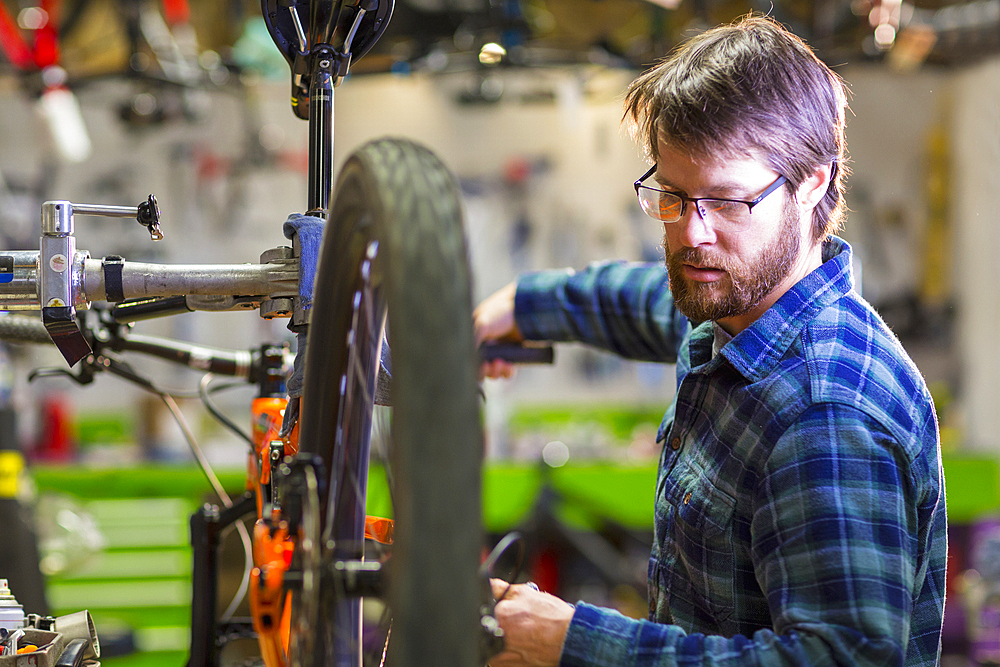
[{"x": 725, "y": 215}]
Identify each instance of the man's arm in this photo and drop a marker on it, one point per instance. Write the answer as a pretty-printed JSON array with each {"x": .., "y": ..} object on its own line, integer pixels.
[
  {"x": 623, "y": 308},
  {"x": 493, "y": 320}
]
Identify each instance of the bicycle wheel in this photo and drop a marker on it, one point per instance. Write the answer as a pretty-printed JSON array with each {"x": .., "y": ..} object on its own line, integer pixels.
[{"x": 395, "y": 243}]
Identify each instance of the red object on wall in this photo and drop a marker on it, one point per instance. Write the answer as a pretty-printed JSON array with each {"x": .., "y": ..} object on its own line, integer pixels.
[{"x": 55, "y": 442}]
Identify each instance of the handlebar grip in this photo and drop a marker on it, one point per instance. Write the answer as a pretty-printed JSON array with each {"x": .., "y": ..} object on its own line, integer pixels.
[
  {"x": 23, "y": 329},
  {"x": 517, "y": 354}
]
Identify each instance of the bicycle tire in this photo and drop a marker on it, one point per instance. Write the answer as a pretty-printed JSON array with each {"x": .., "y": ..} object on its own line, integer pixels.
[{"x": 395, "y": 242}]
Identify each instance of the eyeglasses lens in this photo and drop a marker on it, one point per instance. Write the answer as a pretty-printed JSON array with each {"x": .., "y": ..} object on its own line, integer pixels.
[
  {"x": 668, "y": 208},
  {"x": 730, "y": 211},
  {"x": 660, "y": 205}
]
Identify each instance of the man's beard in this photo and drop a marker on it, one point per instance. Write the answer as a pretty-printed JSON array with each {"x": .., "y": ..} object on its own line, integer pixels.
[{"x": 744, "y": 285}]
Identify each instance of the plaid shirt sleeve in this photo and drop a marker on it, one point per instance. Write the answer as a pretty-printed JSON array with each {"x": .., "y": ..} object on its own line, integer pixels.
[
  {"x": 836, "y": 543},
  {"x": 625, "y": 308}
]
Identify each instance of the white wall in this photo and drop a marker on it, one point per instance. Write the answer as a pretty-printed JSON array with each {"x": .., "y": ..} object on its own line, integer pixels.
[{"x": 977, "y": 213}]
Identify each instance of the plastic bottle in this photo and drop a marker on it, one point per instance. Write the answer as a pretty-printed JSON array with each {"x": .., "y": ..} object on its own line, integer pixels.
[{"x": 11, "y": 613}]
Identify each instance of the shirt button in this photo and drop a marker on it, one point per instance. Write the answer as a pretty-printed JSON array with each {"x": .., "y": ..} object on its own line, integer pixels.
[
  {"x": 687, "y": 497},
  {"x": 675, "y": 444}
]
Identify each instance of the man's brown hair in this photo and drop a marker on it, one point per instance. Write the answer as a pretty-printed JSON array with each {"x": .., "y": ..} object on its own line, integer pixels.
[{"x": 747, "y": 88}]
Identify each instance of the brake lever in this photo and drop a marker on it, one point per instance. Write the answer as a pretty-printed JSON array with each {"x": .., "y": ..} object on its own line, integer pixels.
[
  {"x": 91, "y": 365},
  {"x": 122, "y": 369}
]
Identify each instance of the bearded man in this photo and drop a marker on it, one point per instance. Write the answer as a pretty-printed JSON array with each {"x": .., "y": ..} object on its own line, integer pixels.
[{"x": 799, "y": 515}]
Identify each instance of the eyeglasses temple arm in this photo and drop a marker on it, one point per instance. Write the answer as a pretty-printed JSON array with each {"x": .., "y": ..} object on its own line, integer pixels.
[
  {"x": 652, "y": 170},
  {"x": 781, "y": 180}
]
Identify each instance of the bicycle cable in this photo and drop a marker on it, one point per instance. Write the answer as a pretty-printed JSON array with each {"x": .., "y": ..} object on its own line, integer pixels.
[
  {"x": 213, "y": 480},
  {"x": 204, "y": 393}
]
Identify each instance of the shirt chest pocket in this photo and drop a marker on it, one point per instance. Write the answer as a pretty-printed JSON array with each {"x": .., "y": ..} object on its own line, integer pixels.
[{"x": 703, "y": 536}]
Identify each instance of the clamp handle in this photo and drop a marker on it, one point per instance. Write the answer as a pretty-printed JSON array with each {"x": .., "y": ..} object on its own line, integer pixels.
[{"x": 148, "y": 215}]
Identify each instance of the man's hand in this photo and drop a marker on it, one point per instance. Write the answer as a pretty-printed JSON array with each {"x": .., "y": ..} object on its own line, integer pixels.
[
  {"x": 534, "y": 625},
  {"x": 493, "y": 320}
]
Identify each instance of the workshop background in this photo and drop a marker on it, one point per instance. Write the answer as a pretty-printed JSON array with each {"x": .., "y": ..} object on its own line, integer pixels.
[{"x": 522, "y": 99}]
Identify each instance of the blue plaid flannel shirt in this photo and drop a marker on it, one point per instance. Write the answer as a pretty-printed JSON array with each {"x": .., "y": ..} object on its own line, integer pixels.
[{"x": 799, "y": 515}]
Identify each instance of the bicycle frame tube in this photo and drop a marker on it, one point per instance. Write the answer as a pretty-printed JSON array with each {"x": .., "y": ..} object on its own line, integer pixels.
[
  {"x": 19, "y": 289},
  {"x": 347, "y": 471},
  {"x": 140, "y": 279}
]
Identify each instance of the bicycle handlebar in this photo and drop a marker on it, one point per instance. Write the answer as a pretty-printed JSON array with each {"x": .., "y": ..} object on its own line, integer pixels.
[
  {"x": 236, "y": 363},
  {"x": 58, "y": 279}
]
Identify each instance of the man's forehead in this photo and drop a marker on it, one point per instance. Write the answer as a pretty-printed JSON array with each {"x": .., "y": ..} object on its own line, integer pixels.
[
  {"x": 708, "y": 155},
  {"x": 720, "y": 174}
]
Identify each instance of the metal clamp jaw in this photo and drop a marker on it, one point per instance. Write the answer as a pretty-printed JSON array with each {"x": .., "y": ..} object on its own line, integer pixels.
[{"x": 60, "y": 267}]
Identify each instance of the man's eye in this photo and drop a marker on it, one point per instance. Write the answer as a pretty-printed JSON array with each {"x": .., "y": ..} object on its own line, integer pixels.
[
  {"x": 669, "y": 205},
  {"x": 722, "y": 206}
]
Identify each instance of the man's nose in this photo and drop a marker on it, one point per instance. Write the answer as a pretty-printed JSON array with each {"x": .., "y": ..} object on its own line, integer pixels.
[{"x": 695, "y": 228}]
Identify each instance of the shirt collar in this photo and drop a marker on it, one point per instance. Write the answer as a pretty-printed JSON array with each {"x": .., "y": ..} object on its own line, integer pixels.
[{"x": 757, "y": 349}]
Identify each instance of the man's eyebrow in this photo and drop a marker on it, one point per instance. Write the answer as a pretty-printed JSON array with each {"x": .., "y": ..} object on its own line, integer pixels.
[
  {"x": 725, "y": 189},
  {"x": 666, "y": 185}
]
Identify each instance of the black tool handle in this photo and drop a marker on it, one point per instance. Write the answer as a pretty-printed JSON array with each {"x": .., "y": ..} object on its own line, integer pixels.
[
  {"x": 517, "y": 354},
  {"x": 72, "y": 655}
]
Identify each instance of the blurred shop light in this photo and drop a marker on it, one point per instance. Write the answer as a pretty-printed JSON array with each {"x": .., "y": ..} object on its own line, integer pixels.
[
  {"x": 555, "y": 454},
  {"x": 491, "y": 53},
  {"x": 885, "y": 35},
  {"x": 884, "y": 18},
  {"x": 668, "y": 4},
  {"x": 60, "y": 110},
  {"x": 32, "y": 18},
  {"x": 886, "y": 12}
]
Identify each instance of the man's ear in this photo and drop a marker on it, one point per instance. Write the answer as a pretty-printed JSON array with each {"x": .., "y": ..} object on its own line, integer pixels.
[{"x": 812, "y": 190}]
